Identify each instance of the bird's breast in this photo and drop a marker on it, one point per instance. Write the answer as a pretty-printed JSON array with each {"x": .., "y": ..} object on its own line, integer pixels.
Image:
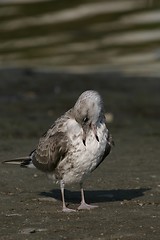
[{"x": 82, "y": 159}]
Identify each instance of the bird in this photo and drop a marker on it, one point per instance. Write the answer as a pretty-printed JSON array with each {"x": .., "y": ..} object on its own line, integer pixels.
[{"x": 74, "y": 146}]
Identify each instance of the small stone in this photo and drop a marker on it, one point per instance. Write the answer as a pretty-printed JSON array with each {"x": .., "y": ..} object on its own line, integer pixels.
[
  {"x": 13, "y": 214},
  {"x": 28, "y": 230},
  {"x": 140, "y": 204},
  {"x": 48, "y": 199}
]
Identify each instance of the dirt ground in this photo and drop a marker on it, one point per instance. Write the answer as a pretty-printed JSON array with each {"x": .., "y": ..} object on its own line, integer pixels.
[{"x": 126, "y": 187}]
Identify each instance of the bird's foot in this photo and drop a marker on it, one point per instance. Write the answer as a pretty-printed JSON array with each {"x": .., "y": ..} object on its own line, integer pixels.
[
  {"x": 85, "y": 206},
  {"x": 68, "y": 210}
]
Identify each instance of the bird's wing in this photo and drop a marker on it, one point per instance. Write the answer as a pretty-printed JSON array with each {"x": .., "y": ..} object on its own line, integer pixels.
[
  {"x": 51, "y": 149},
  {"x": 109, "y": 144}
]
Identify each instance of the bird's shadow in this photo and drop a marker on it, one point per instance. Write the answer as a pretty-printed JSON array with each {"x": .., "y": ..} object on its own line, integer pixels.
[{"x": 97, "y": 196}]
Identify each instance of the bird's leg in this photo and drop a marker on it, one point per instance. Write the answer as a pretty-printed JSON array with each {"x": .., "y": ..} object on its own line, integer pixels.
[
  {"x": 83, "y": 204},
  {"x": 64, "y": 208}
]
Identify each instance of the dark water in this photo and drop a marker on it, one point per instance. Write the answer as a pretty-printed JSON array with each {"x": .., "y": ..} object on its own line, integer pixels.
[{"x": 117, "y": 35}]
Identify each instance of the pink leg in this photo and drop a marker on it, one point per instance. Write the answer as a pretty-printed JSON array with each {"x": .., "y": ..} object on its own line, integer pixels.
[
  {"x": 83, "y": 204},
  {"x": 64, "y": 209}
]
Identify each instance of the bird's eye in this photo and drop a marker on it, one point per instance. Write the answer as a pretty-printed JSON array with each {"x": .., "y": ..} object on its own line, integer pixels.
[{"x": 85, "y": 119}]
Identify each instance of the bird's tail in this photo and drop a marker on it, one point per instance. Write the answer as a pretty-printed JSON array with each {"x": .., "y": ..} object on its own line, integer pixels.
[{"x": 22, "y": 161}]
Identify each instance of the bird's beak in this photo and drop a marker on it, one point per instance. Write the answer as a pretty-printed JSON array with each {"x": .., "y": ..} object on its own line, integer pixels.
[
  {"x": 94, "y": 129},
  {"x": 84, "y": 137},
  {"x": 85, "y": 130}
]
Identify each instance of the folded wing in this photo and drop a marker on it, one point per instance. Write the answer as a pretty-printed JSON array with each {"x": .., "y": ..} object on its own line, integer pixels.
[{"x": 51, "y": 149}]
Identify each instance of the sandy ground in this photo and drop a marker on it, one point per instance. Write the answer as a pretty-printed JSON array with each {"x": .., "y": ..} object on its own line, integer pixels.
[{"x": 126, "y": 187}]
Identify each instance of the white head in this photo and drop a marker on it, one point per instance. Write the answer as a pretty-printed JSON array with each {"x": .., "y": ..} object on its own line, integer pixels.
[{"x": 88, "y": 110}]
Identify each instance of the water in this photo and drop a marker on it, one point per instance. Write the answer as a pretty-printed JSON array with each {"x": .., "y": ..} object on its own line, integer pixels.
[{"x": 82, "y": 36}]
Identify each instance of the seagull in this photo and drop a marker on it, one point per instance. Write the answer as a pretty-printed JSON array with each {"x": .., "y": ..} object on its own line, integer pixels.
[{"x": 74, "y": 146}]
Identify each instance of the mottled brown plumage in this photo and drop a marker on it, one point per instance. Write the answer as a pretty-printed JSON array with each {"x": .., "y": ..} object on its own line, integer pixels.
[{"x": 75, "y": 145}]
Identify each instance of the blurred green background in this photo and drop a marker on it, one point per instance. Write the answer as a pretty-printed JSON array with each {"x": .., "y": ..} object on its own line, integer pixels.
[{"x": 110, "y": 35}]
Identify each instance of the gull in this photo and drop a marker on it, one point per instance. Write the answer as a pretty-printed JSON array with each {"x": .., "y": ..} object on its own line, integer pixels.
[{"x": 74, "y": 146}]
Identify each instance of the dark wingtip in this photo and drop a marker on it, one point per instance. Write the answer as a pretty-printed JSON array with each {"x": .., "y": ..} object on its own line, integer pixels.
[
  {"x": 18, "y": 161},
  {"x": 25, "y": 163}
]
